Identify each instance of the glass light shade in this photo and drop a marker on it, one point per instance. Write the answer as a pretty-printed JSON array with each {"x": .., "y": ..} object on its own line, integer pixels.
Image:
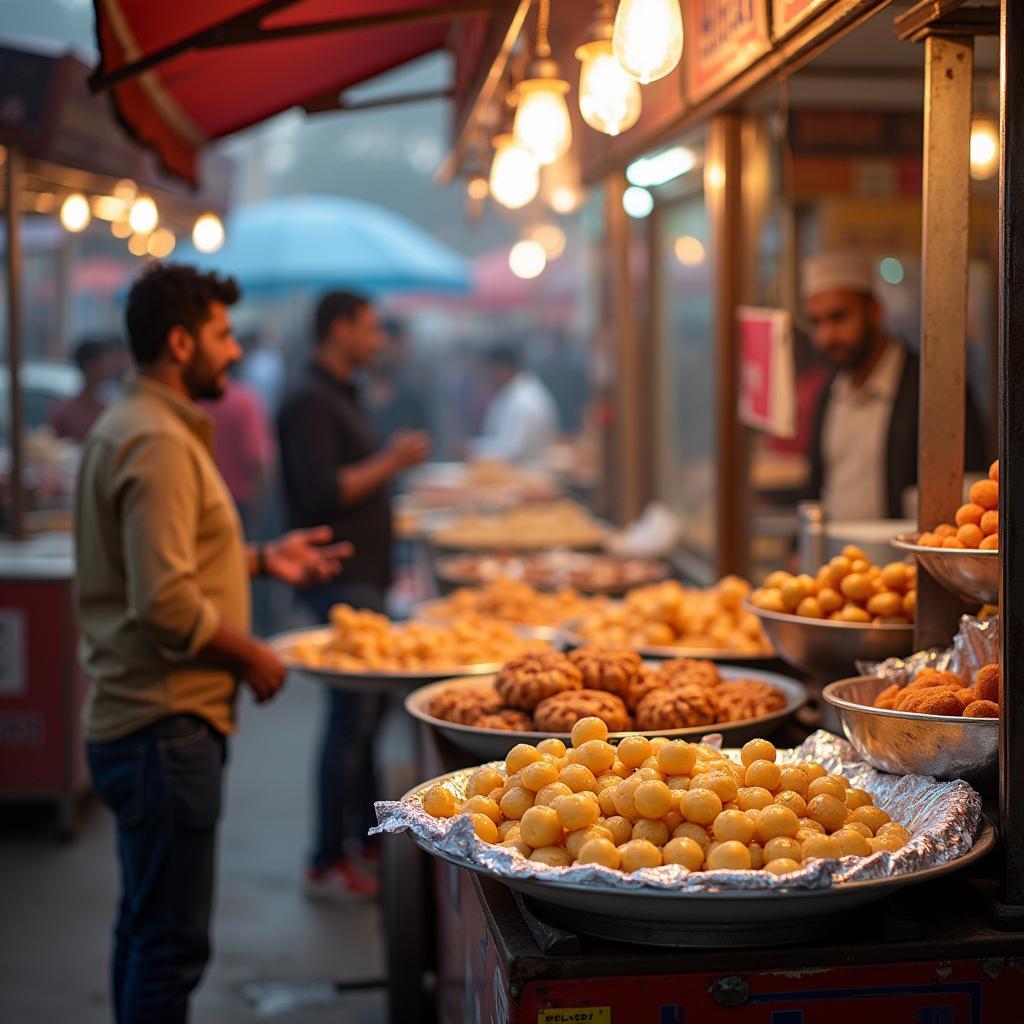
[
  {"x": 143, "y": 216},
  {"x": 609, "y": 98},
  {"x": 208, "y": 233},
  {"x": 527, "y": 260},
  {"x": 542, "y": 122},
  {"x": 648, "y": 38},
  {"x": 984, "y": 149},
  {"x": 75, "y": 213},
  {"x": 515, "y": 173},
  {"x": 560, "y": 185}
]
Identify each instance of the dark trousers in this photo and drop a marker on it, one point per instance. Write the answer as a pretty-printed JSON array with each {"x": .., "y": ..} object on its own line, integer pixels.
[
  {"x": 163, "y": 785},
  {"x": 347, "y": 781}
]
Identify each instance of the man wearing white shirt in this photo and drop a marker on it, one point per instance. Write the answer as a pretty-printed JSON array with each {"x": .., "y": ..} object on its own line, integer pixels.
[{"x": 521, "y": 420}]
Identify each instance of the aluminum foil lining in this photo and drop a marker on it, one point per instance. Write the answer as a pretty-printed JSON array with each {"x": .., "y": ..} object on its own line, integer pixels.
[
  {"x": 942, "y": 818},
  {"x": 975, "y": 644}
]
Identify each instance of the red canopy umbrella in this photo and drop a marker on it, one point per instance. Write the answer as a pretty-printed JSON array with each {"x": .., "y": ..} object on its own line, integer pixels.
[{"x": 186, "y": 72}]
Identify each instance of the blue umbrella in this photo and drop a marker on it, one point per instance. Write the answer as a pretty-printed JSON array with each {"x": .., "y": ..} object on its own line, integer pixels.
[{"x": 321, "y": 242}]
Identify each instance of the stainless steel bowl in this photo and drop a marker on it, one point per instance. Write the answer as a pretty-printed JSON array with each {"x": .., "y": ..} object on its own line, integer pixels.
[
  {"x": 971, "y": 574},
  {"x": 827, "y": 649},
  {"x": 906, "y": 743}
]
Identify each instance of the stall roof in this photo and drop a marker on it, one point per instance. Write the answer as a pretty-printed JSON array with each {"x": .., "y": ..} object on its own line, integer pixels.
[{"x": 187, "y": 72}]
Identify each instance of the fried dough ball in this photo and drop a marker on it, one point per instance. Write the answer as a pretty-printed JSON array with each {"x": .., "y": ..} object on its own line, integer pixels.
[
  {"x": 482, "y": 805},
  {"x": 621, "y": 828},
  {"x": 990, "y": 543},
  {"x": 575, "y": 841},
  {"x": 638, "y": 854},
  {"x": 754, "y": 798},
  {"x": 794, "y": 801},
  {"x": 653, "y": 799},
  {"x": 484, "y": 828},
  {"x": 575, "y": 812},
  {"x": 684, "y": 851},
  {"x": 440, "y": 802},
  {"x": 986, "y": 494},
  {"x": 821, "y": 846},
  {"x": 552, "y": 856},
  {"x": 935, "y": 701},
  {"x": 776, "y": 821},
  {"x": 990, "y": 522},
  {"x": 826, "y": 784},
  {"x": 757, "y": 750},
  {"x": 782, "y": 866},
  {"x": 547, "y": 796},
  {"x": 677, "y": 757},
  {"x": 965, "y": 696},
  {"x": 853, "y": 844},
  {"x": 728, "y": 856},
  {"x": 733, "y": 825},
  {"x": 553, "y": 746},
  {"x": 540, "y": 827},
  {"x": 987, "y": 682},
  {"x": 691, "y": 830},
  {"x": 792, "y": 779},
  {"x": 516, "y": 802},
  {"x": 700, "y": 806},
  {"x": 539, "y": 774},
  {"x": 779, "y": 847},
  {"x": 655, "y": 832},
  {"x": 981, "y": 709},
  {"x": 970, "y": 536},
  {"x": 969, "y": 513},
  {"x": 873, "y": 817},
  {"x": 887, "y": 698},
  {"x": 599, "y": 851},
  {"x": 762, "y": 773},
  {"x": 634, "y": 750}
]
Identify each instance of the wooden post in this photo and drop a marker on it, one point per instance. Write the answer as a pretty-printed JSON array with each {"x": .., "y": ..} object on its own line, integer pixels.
[
  {"x": 724, "y": 196},
  {"x": 1011, "y": 447},
  {"x": 949, "y": 83},
  {"x": 14, "y": 322}
]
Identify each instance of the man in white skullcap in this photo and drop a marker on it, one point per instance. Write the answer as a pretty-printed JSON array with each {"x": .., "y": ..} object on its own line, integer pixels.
[{"x": 864, "y": 442}]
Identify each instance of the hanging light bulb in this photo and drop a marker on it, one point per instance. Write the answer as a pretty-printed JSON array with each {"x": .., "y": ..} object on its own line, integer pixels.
[
  {"x": 984, "y": 148},
  {"x": 143, "y": 216},
  {"x": 138, "y": 244},
  {"x": 208, "y": 233},
  {"x": 75, "y": 213},
  {"x": 648, "y": 38},
  {"x": 561, "y": 187},
  {"x": 542, "y": 123},
  {"x": 161, "y": 243},
  {"x": 515, "y": 173},
  {"x": 527, "y": 260},
  {"x": 609, "y": 98}
]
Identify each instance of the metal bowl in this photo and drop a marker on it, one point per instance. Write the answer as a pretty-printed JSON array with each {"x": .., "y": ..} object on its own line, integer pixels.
[
  {"x": 826, "y": 648},
  {"x": 971, "y": 574},
  {"x": 906, "y": 743}
]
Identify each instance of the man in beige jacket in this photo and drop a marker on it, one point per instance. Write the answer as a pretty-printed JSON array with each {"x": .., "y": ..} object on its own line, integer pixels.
[{"x": 163, "y": 603}]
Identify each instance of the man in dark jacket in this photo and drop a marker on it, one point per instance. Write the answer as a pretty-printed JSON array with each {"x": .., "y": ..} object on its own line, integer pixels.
[{"x": 864, "y": 442}]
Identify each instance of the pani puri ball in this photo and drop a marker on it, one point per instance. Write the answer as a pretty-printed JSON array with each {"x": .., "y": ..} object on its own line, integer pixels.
[
  {"x": 857, "y": 798},
  {"x": 677, "y": 783},
  {"x": 508, "y": 829},
  {"x": 753, "y": 798},
  {"x": 893, "y": 828},
  {"x": 814, "y": 826},
  {"x": 548, "y": 794},
  {"x": 793, "y": 780},
  {"x": 653, "y": 799},
  {"x": 633, "y": 750},
  {"x": 778, "y": 579},
  {"x": 606, "y": 801},
  {"x": 604, "y": 780},
  {"x": 951, "y": 542},
  {"x": 886, "y": 604},
  {"x": 810, "y": 608},
  {"x": 985, "y": 493},
  {"x": 440, "y": 802},
  {"x": 538, "y": 775},
  {"x": 775, "y": 821},
  {"x": 794, "y": 801},
  {"x": 756, "y": 852},
  {"x": 540, "y": 827},
  {"x": 826, "y": 784},
  {"x": 990, "y": 543},
  {"x": 574, "y": 840},
  {"x": 990, "y": 522},
  {"x": 856, "y": 587},
  {"x": 910, "y": 603},
  {"x": 587, "y": 729},
  {"x": 969, "y": 513},
  {"x": 657, "y": 743},
  {"x": 889, "y": 843},
  {"x": 520, "y": 756},
  {"x": 993, "y": 471},
  {"x": 783, "y": 846},
  {"x": 838, "y": 568},
  {"x": 765, "y": 774},
  {"x": 483, "y": 781},
  {"x": 986, "y": 683},
  {"x": 732, "y": 825},
  {"x": 656, "y": 832},
  {"x": 812, "y": 770},
  {"x": 828, "y": 811},
  {"x": 729, "y": 856},
  {"x": 793, "y": 591},
  {"x": 497, "y": 794},
  {"x": 672, "y": 819},
  {"x": 577, "y": 777},
  {"x": 677, "y": 757},
  {"x": 684, "y": 851},
  {"x": 650, "y": 770},
  {"x": 970, "y": 536},
  {"x": 856, "y": 826},
  {"x": 597, "y": 755},
  {"x": 691, "y": 830},
  {"x": 757, "y": 750},
  {"x": 782, "y": 866},
  {"x": 575, "y": 811},
  {"x": 484, "y": 828},
  {"x": 552, "y": 856},
  {"x": 599, "y": 851},
  {"x": 852, "y": 842},
  {"x": 621, "y": 829},
  {"x": 482, "y": 805},
  {"x": 895, "y": 576},
  {"x": 519, "y": 846},
  {"x": 853, "y": 613},
  {"x": 638, "y": 854},
  {"x": 821, "y": 846},
  {"x": 724, "y": 785},
  {"x": 621, "y": 770},
  {"x": 830, "y": 600},
  {"x": 873, "y": 817},
  {"x": 700, "y": 806},
  {"x": 554, "y": 747},
  {"x": 516, "y": 802}
]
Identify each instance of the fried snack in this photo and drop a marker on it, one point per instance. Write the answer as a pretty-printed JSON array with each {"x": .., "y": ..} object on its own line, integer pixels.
[
  {"x": 934, "y": 692},
  {"x": 740, "y": 699},
  {"x": 464, "y": 706},
  {"x": 647, "y": 823},
  {"x": 506, "y": 719},
  {"x": 987, "y": 683},
  {"x": 558, "y": 524},
  {"x": 553, "y": 570},
  {"x": 615, "y": 669},
  {"x": 935, "y": 700},
  {"x": 928, "y": 678},
  {"x": 649, "y": 679},
  {"x": 513, "y": 602},
  {"x": 846, "y": 589},
  {"x": 525, "y": 681},
  {"x": 562, "y": 711},
  {"x": 690, "y": 671},
  {"x": 671, "y": 615},
  {"x": 981, "y": 709},
  {"x": 677, "y": 708},
  {"x": 887, "y": 698},
  {"x": 977, "y": 522}
]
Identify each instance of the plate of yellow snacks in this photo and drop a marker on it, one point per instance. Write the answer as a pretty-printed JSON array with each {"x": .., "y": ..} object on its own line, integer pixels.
[
  {"x": 361, "y": 645},
  {"x": 669, "y": 620},
  {"x": 667, "y": 832},
  {"x": 539, "y": 695},
  {"x": 557, "y": 524}
]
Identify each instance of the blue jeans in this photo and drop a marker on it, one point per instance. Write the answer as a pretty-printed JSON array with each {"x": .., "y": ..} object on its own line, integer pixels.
[
  {"x": 163, "y": 784},
  {"x": 346, "y": 778}
]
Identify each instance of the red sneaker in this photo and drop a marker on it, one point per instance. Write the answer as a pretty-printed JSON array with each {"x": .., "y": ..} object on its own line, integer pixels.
[{"x": 341, "y": 882}]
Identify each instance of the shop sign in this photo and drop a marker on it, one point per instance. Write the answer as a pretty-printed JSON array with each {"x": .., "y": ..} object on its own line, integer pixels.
[
  {"x": 723, "y": 38},
  {"x": 787, "y": 14},
  {"x": 767, "y": 385}
]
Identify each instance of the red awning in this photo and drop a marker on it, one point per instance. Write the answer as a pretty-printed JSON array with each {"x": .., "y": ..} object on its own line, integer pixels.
[{"x": 196, "y": 70}]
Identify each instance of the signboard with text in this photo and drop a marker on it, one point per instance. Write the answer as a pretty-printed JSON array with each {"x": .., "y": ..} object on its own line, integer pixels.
[
  {"x": 767, "y": 384},
  {"x": 723, "y": 37},
  {"x": 787, "y": 14}
]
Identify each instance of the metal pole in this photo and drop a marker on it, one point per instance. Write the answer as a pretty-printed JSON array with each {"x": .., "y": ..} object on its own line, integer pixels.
[
  {"x": 1011, "y": 439},
  {"x": 14, "y": 273},
  {"x": 949, "y": 82}
]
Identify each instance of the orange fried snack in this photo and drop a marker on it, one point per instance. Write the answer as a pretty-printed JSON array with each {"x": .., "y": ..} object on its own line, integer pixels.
[
  {"x": 981, "y": 709},
  {"x": 986, "y": 683}
]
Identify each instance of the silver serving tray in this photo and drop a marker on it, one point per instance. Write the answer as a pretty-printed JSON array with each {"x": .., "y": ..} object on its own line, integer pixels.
[
  {"x": 364, "y": 679},
  {"x": 662, "y": 653},
  {"x": 493, "y": 744},
  {"x": 971, "y": 574},
  {"x": 825, "y": 648},
  {"x": 908, "y": 743},
  {"x": 746, "y": 911}
]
